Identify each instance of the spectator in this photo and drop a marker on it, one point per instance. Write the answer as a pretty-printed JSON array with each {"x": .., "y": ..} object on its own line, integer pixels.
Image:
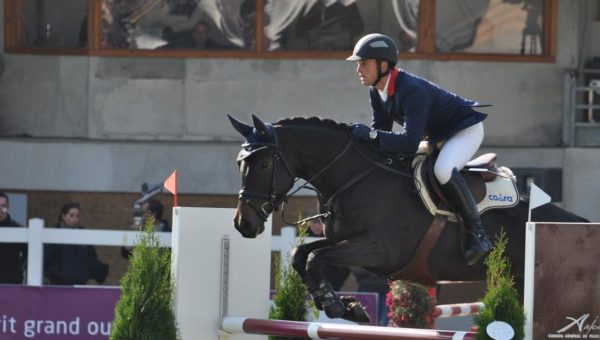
[
  {"x": 200, "y": 37},
  {"x": 154, "y": 208},
  {"x": 72, "y": 264},
  {"x": 337, "y": 275},
  {"x": 197, "y": 38},
  {"x": 150, "y": 208},
  {"x": 12, "y": 255}
]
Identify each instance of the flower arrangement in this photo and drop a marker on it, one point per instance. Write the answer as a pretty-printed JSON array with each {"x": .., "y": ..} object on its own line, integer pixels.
[{"x": 410, "y": 305}]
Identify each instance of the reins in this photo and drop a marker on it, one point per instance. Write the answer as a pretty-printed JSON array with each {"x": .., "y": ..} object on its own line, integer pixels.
[{"x": 349, "y": 183}]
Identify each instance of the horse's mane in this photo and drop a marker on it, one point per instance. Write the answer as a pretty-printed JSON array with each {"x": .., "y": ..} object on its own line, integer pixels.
[{"x": 313, "y": 122}]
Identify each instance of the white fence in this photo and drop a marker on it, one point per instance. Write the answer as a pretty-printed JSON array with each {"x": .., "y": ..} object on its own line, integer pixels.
[{"x": 36, "y": 236}]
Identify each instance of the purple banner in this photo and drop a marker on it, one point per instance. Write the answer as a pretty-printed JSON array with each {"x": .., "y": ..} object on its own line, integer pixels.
[{"x": 51, "y": 312}]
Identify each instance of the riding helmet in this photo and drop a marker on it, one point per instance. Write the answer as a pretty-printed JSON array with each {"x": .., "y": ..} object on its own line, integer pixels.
[{"x": 375, "y": 46}]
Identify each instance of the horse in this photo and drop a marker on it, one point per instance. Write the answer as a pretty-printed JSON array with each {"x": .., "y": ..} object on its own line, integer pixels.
[{"x": 373, "y": 217}]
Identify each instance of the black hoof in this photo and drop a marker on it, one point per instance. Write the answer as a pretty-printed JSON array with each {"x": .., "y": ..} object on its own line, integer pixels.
[
  {"x": 335, "y": 310},
  {"x": 354, "y": 310}
]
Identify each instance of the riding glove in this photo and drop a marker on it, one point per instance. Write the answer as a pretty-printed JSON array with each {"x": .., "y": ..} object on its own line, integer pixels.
[{"x": 360, "y": 131}]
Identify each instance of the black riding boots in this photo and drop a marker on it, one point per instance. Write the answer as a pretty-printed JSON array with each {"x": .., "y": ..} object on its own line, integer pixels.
[{"x": 460, "y": 198}]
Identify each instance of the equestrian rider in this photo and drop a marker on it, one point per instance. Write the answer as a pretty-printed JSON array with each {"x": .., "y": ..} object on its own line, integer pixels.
[{"x": 426, "y": 111}]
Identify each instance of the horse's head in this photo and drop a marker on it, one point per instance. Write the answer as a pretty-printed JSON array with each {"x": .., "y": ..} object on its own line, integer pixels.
[{"x": 266, "y": 176}]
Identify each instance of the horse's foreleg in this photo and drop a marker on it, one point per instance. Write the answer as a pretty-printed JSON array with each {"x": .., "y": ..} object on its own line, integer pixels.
[
  {"x": 299, "y": 257},
  {"x": 356, "y": 252}
]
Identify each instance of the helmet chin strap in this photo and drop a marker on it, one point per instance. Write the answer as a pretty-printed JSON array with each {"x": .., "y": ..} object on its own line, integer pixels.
[{"x": 379, "y": 73}]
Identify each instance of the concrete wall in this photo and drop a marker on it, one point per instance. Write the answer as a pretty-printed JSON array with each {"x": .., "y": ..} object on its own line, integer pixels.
[{"x": 103, "y": 124}]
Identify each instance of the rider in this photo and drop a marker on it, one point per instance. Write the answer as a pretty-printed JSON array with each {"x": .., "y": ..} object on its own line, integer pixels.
[{"x": 426, "y": 111}]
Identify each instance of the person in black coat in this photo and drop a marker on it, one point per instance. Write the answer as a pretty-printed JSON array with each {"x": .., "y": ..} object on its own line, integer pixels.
[
  {"x": 12, "y": 255},
  {"x": 72, "y": 264}
]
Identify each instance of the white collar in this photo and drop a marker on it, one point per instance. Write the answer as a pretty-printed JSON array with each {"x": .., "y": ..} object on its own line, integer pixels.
[{"x": 384, "y": 94}]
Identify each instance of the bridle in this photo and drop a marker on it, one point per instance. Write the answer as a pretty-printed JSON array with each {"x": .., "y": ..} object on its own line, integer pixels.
[{"x": 273, "y": 199}]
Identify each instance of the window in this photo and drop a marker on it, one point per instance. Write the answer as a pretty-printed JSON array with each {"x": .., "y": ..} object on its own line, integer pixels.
[
  {"x": 520, "y": 30},
  {"x": 489, "y": 26},
  {"x": 337, "y": 25},
  {"x": 178, "y": 24},
  {"x": 53, "y": 24}
]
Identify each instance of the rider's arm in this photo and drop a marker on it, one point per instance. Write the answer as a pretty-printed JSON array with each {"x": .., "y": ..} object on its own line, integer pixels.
[{"x": 416, "y": 103}]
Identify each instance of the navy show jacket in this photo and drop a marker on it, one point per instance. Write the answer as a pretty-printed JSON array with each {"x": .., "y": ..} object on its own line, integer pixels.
[{"x": 423, "y": 108}]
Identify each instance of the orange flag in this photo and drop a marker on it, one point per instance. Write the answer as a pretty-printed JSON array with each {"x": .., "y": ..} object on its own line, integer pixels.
[{"x": 171, "y": 185}]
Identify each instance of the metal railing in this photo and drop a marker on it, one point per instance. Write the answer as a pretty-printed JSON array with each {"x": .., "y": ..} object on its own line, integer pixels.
[{"x": 581, "y": 107}]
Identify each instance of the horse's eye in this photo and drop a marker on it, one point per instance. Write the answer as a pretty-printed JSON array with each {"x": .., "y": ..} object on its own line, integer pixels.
[{"x": 264, "y": 164}]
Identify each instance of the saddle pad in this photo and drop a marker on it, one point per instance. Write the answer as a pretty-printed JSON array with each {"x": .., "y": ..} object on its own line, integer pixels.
[{"x": 502, "y": 192}]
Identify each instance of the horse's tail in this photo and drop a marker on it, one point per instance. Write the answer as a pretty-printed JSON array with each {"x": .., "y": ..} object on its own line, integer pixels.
[{"x": 552, "y": 213}]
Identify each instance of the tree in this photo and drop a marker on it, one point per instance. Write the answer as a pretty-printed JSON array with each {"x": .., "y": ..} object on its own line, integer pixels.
[
  {"x": 289, "y": 302},
  {"x": 144, "y": 309},
  {"x": 501, "y": 300}
]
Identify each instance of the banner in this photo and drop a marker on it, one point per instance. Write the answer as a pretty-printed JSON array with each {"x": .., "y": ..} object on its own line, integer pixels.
[{"x": 52, "y": 312}]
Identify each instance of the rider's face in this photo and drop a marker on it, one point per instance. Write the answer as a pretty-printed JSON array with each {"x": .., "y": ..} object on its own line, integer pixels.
[{"x": 367, "y": 71}]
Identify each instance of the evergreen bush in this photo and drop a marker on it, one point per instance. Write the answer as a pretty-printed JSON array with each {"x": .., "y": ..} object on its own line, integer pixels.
[
  {"x": 144, "y": 310},
  {"x": 289, "y": 301},
  {"x": 501, "y": 300}
]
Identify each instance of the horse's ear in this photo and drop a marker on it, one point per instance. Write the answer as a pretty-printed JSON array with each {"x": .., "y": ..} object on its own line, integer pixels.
[
  {"x": 260, "y": 126},
  {"x": 244, "y": 129}
]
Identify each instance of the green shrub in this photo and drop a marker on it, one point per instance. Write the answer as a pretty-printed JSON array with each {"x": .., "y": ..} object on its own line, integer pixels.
[
  {"x": 144, "y": 309},
  {"x": 289, "y": 302},
  {"x": 501, "y": 300}
]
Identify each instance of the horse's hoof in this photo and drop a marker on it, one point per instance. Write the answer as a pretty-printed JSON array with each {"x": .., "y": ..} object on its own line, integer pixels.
[
  {"x": 335, "y": 310},
  {"x": 354, "y": 310}
]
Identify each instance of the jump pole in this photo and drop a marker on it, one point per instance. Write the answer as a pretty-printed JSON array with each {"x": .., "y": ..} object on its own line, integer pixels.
[
  {"x": 458, "y": 309},
  {"x": 316, "y": 330}
]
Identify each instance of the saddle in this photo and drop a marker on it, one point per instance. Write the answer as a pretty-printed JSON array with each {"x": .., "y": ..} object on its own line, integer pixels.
[{"x": 492, "y": 187}]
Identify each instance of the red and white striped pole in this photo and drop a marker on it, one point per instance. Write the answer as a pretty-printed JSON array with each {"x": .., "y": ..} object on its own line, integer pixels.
[
  {"x": 317, "y": 330},
  {"x": 458, "y": 309}
]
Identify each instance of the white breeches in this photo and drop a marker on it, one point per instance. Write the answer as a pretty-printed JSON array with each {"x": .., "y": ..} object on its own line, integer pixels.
[{"x": 457, "y": 151}]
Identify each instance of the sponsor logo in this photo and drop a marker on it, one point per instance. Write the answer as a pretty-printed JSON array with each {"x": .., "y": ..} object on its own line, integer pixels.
[
  {"x": 500, "y": 198},
  {"x": 582, "y": 327}
]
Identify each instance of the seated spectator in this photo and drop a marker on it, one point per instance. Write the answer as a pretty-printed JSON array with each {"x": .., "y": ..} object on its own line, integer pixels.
[
  {"x": 13, "y": 256},
  {"x": 197, "y": 38},
  {"x": 72, "y": 264}
]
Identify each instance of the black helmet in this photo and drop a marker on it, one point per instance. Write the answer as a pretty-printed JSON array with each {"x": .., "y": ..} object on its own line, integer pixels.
[{"x": 375, "y": 46}]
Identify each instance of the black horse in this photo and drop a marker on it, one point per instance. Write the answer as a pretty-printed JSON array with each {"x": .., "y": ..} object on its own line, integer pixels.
[{"x": 375, "y": 218}]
